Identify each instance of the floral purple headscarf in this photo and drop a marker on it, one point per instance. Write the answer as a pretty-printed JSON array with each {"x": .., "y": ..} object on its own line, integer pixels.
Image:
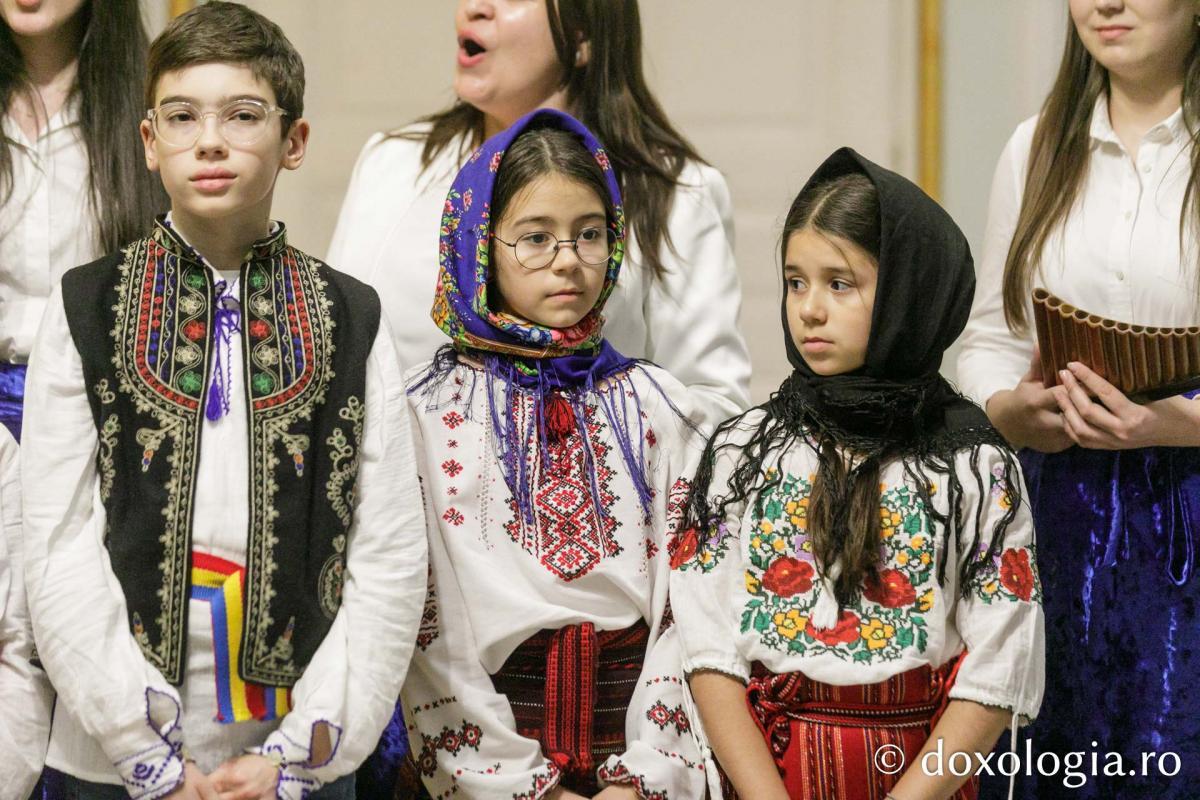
[{"x": 460, "y": 306}]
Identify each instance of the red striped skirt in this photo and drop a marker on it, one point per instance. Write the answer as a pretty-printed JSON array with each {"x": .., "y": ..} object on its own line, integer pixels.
[
  {"x": 825, "y": 738},
  {"x": 570, "y": 689}
]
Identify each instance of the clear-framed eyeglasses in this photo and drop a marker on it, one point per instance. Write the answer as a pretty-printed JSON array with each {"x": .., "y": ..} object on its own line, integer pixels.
[
  {"x": 593, "y": 246},
  {"x": 242, "y": 122}
]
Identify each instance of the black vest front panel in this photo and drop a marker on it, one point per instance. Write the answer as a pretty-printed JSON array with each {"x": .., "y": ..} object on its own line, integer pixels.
[{"x": 142, "y": 321}]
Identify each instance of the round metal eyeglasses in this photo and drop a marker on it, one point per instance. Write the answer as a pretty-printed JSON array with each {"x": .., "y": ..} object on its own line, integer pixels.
[{"x": 533, "y": 251}]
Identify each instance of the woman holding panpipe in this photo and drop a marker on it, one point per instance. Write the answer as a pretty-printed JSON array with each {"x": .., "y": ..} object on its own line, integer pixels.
[{"x": 1097, "y": 200}]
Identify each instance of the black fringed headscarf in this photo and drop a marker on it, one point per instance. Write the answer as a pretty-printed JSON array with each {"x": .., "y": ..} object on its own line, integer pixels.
[{"x": 897, "y": 405}]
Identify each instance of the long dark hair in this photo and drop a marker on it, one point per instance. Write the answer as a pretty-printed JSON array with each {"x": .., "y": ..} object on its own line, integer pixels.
[
  {"x": 109, "y": 81},
  {"x": 1058, "y": 162},
  {"x": 611, "y": 97}
]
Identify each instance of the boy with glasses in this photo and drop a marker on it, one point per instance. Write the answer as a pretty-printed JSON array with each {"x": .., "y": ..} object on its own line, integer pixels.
[{"x": 225, "y": 540}]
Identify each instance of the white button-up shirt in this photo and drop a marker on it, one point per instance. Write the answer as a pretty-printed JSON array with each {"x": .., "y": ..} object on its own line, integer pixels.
[
  {"x": 25, "y": 694},
  {"x": 685, "y": 322},
  {"x": 47, "y": 225},
  {"x": 1118, "y": 255}
]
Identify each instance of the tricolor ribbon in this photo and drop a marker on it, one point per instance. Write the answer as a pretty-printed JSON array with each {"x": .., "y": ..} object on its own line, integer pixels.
[{"x": 221, "y": 584}]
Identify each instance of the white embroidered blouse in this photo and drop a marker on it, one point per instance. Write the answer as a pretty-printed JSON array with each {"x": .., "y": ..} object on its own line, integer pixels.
[
  {"x": 118, "y": 720},
  {"x": 749, "y": 591},
  {"x": 496, "y": 581},
  {"x": 25, "y": 693},
  {"x": 686, "y": 321}
]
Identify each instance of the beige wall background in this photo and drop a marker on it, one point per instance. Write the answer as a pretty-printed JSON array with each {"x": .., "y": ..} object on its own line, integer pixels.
[{"x": 764, "y": 88}]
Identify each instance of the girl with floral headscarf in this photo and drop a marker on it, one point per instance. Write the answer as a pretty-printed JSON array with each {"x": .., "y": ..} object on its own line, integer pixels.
[{"x": 552, "y": 468}]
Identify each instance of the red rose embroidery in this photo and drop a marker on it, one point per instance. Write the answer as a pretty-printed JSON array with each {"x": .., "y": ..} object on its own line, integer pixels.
[
  {"x": 259, "y": 329},
  {"x": 892, "y": 589},
  {"x": 684, "y": 547},
  {"x": 1016, "y": 573},
  {"x": 845, "y": 632},
  {"x": 788, "y": 576}
]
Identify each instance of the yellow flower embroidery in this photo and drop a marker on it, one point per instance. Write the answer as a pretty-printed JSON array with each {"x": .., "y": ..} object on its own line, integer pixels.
[
  {"x": 791, "y": 507},
  {"x": 925, "y": 601},
  {"x": 755, "y": 541},
  {"x": 990, "y": 587},
  {"x": 789, "y": 625},
  {"x": 925, "y": 558},
  {"x": 902, "y": 558},
  {"x": 765, "y": 526},
  {"x": 797, "y": 522},
  {"x": 780, "y": 545},
  {"x": 917, "y": 542},
  {"x": 752, "y": 583},
  {"x": 876, "y": 633}
]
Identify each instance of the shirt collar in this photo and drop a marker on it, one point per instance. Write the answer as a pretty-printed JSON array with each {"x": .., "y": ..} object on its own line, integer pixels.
[{"x": 1170, "y": 129}]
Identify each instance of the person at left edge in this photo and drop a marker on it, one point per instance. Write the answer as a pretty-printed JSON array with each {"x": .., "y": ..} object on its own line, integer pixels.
[
  {"x": 73, "y": 184},
  {"x": 25, "y": 695},
  {"x": 225, "y": 543}
]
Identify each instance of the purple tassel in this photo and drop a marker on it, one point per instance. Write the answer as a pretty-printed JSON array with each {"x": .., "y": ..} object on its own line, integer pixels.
[{"x": 228, "y": 322}]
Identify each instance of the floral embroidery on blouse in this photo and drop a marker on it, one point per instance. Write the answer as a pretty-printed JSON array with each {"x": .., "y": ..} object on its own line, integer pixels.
[{"x": 783, "y": 585}]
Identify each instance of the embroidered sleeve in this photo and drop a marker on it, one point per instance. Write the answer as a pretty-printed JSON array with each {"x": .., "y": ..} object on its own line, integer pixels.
[
  {"x": 25, "y": 693},
  {"x": 1000, "y": 619},
  {"x": 709, "y": 586},
  {"x": 662, "y": 761},
  {"x": 348, "y": 691},
  {"x": 80, "y": 622},
  {"x": 460, "y": 729}
]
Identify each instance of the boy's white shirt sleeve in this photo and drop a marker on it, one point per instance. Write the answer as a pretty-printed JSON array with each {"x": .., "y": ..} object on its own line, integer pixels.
[
  {"x": 78, "y": 610},
  {"x": 691, "y": 312},
  {"x": 1001, "y": 619},
  {"x": 662, "y": 760},
  {"x": 461, "y": 731},
  {"x": 351, "y": 684},
  {"x": 25, "y": 694},
  {"x": 992, "y": 358}
]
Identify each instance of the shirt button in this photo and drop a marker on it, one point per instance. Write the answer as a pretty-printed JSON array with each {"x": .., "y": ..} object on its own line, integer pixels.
[
  {"x": 1120, "y": 276},
  {"x": 1146, "y": 168},
  {"x": 1128, "y": 215}
]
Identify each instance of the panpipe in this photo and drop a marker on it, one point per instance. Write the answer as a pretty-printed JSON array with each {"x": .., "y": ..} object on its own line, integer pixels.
[{"x": 1144, "y": 362}]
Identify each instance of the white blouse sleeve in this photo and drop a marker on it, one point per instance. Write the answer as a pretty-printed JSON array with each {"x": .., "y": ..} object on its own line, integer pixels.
[
  {"x": 992, "y": 357},
  {"x": 351, "y": 685},
  {"x": 708, "y": 575},
  {"x": 25, "y": 693},
  {"x": 78, "y": 611},
  {"x": 1000, "y": 619},
  {"x": 692, "y": 310},
  {"x": 662, "y": 760},
  {"x": 461, "y": 731}
]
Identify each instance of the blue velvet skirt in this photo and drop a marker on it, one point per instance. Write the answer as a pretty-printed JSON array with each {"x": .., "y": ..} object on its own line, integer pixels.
[
  {"x": 1117, "y": 533},
  {"x": 377, "y": 777},
  {"x": 12, "y": 396}
]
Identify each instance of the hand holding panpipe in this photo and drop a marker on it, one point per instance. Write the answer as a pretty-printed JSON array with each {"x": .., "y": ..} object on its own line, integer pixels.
[{"x": 1145, "y": 363}]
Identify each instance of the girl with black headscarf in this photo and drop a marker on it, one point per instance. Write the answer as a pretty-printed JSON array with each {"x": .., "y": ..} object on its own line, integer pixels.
[{"x": 859, "y": 555}]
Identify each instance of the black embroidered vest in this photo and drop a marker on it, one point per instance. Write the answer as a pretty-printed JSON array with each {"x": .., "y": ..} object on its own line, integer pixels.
[{"x": 142, "y": 321}]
